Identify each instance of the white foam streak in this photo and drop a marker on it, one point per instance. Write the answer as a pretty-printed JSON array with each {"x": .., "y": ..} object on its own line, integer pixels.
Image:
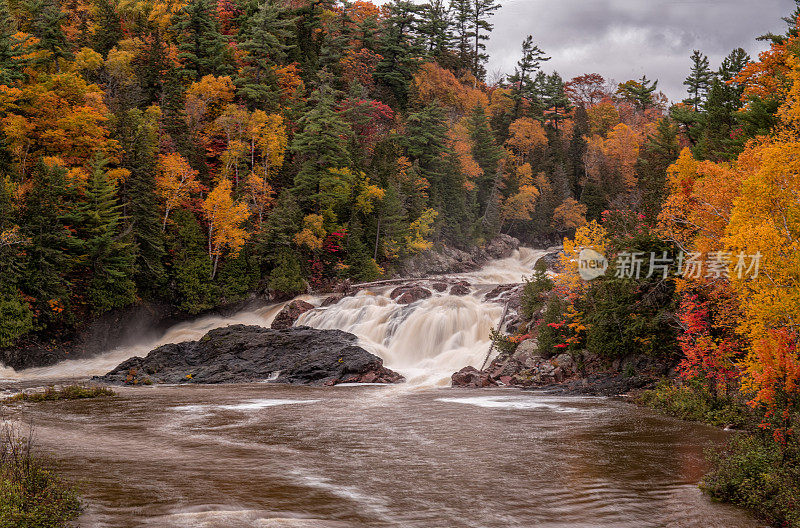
[{"x": 251, "y": 405}]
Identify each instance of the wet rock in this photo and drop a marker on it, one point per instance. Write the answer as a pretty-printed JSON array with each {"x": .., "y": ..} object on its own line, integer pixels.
[
  {"x": 453, "y": 260},
  {"x": 243, "y": 354},
  {"x": 470, "y": 377},
  {"x": 502, "y": 246},
  {"x": 287, "y": 317},
  {"x": 460, "y": 288},
  {"x": 552, "y": 260},
  {"x": 409, "y": 294},
  {"x": 333, "y": 299},
  {"x": 500, "y": 293},
  {"x": 439, "y": 286}
]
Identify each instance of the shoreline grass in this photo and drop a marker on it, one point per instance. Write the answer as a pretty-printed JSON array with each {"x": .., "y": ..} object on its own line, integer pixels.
[
  {"x": 31, "y": 495},
  {"x": 67, "y": 392}
]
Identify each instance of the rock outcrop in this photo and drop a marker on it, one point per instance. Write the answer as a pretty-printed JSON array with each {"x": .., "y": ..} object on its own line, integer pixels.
[
  {"x": 567, "y": 373},
  {"x": 242, "y": 354},
  {"x": 470, "y": 377},
  {"x": 452, "y": 260},
  {"x": 290, "y": 313},
  {"x": 460, "y": 289}
]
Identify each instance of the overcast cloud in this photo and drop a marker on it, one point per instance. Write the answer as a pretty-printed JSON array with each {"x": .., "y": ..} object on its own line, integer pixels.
[{"x": 624, "y": 39}]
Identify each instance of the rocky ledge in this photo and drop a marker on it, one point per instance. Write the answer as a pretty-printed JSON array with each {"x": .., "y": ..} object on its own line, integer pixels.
[
  {"x": 242, "y": 354},
  {"x": 578, "y": 373},
  {"x": 453, "y": 260}
]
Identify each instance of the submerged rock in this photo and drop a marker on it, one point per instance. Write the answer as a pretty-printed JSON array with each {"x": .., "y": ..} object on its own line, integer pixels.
[
  {"x": 460, "y": 288},
  {"x": 242, "y": 354},
  {"x": 409, "y": 294},
  {"x": 290, "y": 313}
]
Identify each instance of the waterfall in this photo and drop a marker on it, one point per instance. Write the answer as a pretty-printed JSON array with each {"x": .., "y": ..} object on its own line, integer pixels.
[
  {"x": 426, "y": 341},
  {"x": 430, "y": 339}
]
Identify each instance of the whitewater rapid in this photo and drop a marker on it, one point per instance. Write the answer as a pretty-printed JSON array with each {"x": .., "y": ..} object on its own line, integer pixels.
[{"x": 425, "y": 341}]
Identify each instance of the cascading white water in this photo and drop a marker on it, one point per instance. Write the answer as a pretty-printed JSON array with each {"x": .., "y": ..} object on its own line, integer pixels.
[
  {"x": 426, "y": 341},
  {"x": 430, "y": 339}
]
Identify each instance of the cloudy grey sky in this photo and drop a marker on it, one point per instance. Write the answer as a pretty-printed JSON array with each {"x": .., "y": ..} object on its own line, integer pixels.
[{"x": 623, "y": 39}]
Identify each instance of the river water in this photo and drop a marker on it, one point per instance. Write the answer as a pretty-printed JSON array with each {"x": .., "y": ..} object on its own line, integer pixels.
[{"x": 412, "y": 455}]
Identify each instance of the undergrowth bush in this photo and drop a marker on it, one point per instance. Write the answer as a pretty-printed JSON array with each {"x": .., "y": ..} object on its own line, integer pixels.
[
  {"x": 757, "y": 473},
  {"x": 30, "y": 495},
  {"x": 694, "y": 401}
]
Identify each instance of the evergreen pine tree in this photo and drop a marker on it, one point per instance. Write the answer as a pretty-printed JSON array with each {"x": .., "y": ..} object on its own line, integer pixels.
[
  {"x": 400, "y": 48},
  {"x": 659, "y": 152},
  {"x": 521, "y": 82},
  {"x": 264, "y": 35},
  {"x": 104, "y": 258},
  {"x": 108, "y": 27},
  {"x": 556, "y": 100},
  {"x": 486, "y": 152},
  {"x": 462, "y": 20},
  {"x": 46, "y": 18},
  {"x": 320, "y": 145},
  {"x": 276, "y": 233},
  {"x": 139, "y": 141},
  {"x": 10, "y": 66},
  {"x": 698, "y": 82},
  {"x": 482, "y": 10},
  {"x": 309, "y": 36},
  {"x": 152, "y": 70},
  {"x": 435, "y": 27},
  {"x": 286, "y": 279},
  {"x": 46, "y": 262},
  {"x": 428, "y": 146},
  {"x": 201, "y": 47},
  {"x": 16, "y": 318},
  {"x": 389, "y": 222},
  {"x": 639, "y": 92}
]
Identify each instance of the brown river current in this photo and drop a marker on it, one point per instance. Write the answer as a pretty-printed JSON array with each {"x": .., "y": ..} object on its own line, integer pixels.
[{"x": 413, "y": 455}]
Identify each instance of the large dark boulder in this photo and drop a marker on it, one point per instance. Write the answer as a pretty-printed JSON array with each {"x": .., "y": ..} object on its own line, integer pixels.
[
  {"x": 242, "y": 354},
  {"x": 290, "y": 313}
]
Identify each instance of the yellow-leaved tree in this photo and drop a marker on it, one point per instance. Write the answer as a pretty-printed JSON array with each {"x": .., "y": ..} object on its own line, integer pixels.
[
  {"x": 419, "y": 230},
  {"x": 313, "y": 233},
  {"x": 590, "y": 236},
  {"x": 175, "y": 182},
  {"x": 224, "y": 218}
]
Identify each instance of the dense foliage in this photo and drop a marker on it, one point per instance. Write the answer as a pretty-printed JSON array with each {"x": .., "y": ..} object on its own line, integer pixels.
[{"x": 193, "y": 152}]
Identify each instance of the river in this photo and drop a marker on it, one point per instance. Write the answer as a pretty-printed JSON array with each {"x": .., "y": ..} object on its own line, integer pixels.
[{"x": 413, "y": 455}]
